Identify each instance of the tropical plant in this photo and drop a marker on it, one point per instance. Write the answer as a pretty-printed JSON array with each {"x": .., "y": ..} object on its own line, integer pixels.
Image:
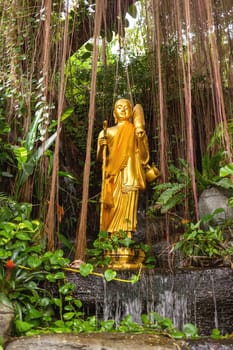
[
  {"x": 158, "y": 324},
  {"x": 177, "y": 191},
  {"x": 198, "y": 242},
  {"x": 170, "y": 194},
  {"x": 33, "y": 281},
  {"x": 105, "y": 242},
  {"x": 210, "y": 174}
]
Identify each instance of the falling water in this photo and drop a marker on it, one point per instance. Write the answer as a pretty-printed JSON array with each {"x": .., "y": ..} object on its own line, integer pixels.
[
  {"x": 123, "y": 302},
  {"x": 174, "y": 306},
  {"x": 203, "y": 297},
  {"x": 215, "y": 302},
  {"x": 153, "y": 293}
]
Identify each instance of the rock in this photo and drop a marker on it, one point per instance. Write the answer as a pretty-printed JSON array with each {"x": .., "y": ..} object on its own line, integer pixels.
[
  {"x": 6, "y": 318},
  {"x": 96, "y": 341},
  {"x": 210, "y": 344},
  {"x": 212, "y": 199}
]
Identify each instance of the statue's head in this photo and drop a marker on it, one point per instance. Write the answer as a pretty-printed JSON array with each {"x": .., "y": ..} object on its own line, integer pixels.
[{"x": 123, "y": 110}]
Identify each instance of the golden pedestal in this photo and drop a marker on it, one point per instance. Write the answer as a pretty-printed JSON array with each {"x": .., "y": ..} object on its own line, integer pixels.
[{"x": 125, "y": 258}]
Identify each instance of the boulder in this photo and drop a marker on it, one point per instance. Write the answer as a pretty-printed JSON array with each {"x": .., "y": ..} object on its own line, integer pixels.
[
  {"x": 6, "y": 318},
  {"x": 211, "y": 199}
]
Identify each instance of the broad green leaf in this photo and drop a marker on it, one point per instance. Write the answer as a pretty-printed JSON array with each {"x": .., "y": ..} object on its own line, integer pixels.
[
  {"x": 57, "y": 302},
  {"x": 67, "y": 288},
  {"x": 107, "y": 326},
  {"x": 78, "y": 303},
  {"x": 23, "y": 326},
  {"x": 50, "y": 277},
  {"x": 8, "y": 227},
  {"x": 34, "y": 313},
  {"x": 68, "y": 315},
  {"x": 44, "y": 301},
  {"x": 126, "y": 241},
  {"x": 34, "y": 261},
  {"x": 23, "y": 236},
  {"x": 226, "y": 170},
  {"x": 156, "y": 316},
  {"x": 176, "y": 334},
  {"x": 109, "y": 275},
  {"x": 134, "y": 279},
  {"x": 166, "y": 323},
  {"x": 21, "y": 155},
  {"x": 224, "y": 183},
  {"x": 59, "y": 275},
  {"x": 5, "y": 301},
  {"x": 215, "y": 334},
  {"x": 26, "y": 225},
  {"x": 29, "y": 166},
  {"x": 190, "y": 330},
  {"x": 145, "y": 319},
  {"x": 31, "y": 135},
  {"x": 86, "y": 269},
  {"x": 4, "y": 254}
]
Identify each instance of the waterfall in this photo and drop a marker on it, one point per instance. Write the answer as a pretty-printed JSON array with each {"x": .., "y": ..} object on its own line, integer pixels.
[
  {"x": 215, "y": 302},
  {"x": 203, "y": 297}
]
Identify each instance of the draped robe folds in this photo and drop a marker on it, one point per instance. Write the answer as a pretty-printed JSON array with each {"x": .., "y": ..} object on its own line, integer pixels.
[{"x": 124, "y": 177}]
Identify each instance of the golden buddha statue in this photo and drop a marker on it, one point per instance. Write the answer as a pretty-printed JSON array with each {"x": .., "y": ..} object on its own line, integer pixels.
[{"x": 123, "y": 148}]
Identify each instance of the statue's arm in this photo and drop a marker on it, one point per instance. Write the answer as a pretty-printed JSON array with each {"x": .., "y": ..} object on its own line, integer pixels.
[
  {"x": 142, "y": 146},
  {"x": 142, "y": 141}
]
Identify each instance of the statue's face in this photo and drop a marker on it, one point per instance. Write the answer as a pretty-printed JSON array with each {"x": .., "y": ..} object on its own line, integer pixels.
[{"x": 122, "y": 110}]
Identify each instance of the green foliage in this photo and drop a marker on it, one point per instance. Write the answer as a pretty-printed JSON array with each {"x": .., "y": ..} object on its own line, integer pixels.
[
  {"x": 226, "y": 170},
  {"x": 106, "y": 242},
  {"x": 33, "y": 282},
  {"x": 178, "y": 190},
  {"x": 10, "y": 209},
  {"x": 25, "y": 267},
  {"x": 86, "y": 269},
  {"x": 210, "y": 176},
  {"x": 28, "y": 159},
  {"x": 154, "y": 323},
  {"x": 197, "y": 241},
  {"x": 109, "y": 275},
  {"x": 173, "y": 193},
  {"x": 215, "y": 334}
]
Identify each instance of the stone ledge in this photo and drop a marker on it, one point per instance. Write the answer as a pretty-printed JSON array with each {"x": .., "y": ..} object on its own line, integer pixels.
[{"x": 95, "y": 341}]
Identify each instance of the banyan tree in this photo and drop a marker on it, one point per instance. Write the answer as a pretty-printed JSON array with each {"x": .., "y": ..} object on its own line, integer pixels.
[{"x": 64, "y": 63}]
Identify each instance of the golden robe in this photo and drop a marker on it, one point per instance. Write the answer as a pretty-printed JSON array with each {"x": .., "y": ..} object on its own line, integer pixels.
[{"x": 124, "y": 176}]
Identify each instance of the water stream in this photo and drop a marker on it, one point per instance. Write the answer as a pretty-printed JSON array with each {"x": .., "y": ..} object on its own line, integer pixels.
[{"x": 203, "y": 297}]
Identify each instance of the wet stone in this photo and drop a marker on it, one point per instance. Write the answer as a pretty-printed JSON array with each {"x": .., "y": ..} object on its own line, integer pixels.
[
  {"x": 98, "y": 341},
  {"x": 203, "y": 297},
  {"x": 210, "y": 344}
]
